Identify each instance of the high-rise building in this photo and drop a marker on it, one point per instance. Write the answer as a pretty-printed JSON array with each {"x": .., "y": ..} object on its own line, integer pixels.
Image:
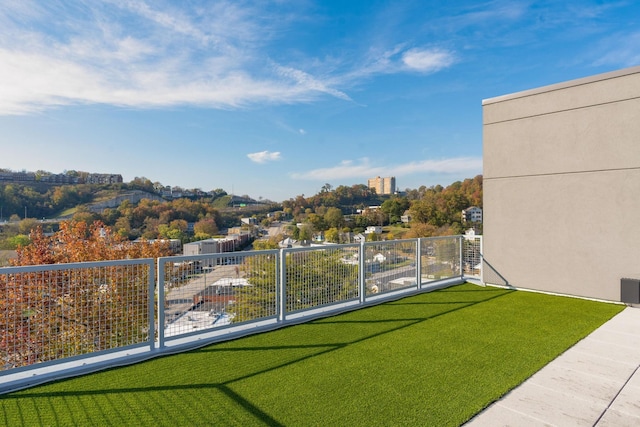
[{"x": 383, "y": 185}]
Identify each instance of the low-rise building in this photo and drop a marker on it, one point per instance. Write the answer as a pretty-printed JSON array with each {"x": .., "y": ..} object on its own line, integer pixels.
[
  {"x": 208, "y": 246},
  {"x": 377, "y": 229},
  {"x": 249, "y": 221},
  {"x": 230, "y": 243},
  {"x": 472, "y": 214},
  {"x": 103, "y": 178}
]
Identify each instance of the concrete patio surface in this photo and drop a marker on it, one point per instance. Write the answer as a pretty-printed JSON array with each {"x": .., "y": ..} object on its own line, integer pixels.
[{"x": 594, "y": 383}]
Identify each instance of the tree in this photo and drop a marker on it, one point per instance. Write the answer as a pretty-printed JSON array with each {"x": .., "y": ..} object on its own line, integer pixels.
[
  {"x": 360, "y": 222},
  {"x": 334, "y": 218},
  {"x": 84, "y": 215},
  {"x": 141, "y": 183},
  {"x": 123, "y": 227},
  {"x": 17, "y": 241},
  {"x": 372, "y": 237},
  {"x": 394, "y": 208},
  {"x": 26, "y": 225},
  {"x": 78, "y": 242},
  {"x": 306, "y": 232},
  {"x": 218, "y": 192},
  {"x": 177, "y": 229},
  {"x": 264, "y": 244},
  {"x": 150, "y": 228},
  {"x": 205, "y": 228},
  {"x": 316, "y": 221},
  {"x": 293, "y": 231},
  {"x": 110, "y": 216},
  {"x": 375, "y": 216},
  {"x": 421, "y": 230},
  {"x": 332, "y": 235},
  {"x": 71, "y": 312}
]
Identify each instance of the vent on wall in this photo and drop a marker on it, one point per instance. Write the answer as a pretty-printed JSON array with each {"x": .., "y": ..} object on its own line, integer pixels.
[{"x": 630, "y": 291}]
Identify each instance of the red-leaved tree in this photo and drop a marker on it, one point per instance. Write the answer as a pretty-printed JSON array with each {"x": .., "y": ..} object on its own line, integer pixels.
[{"x": 51, "y": 314}]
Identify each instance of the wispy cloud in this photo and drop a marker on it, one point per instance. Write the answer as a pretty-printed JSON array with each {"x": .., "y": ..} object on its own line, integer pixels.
[
  {"x": 620, "y": 49},
  {"x": 215, "y": 56},
  {"x": 427, "y": 60},
  {"x": 264, "y": 156},
  {"x": 400, "y": 59},
  {"x": 363, "y": 168},
  {"x": 307, "y": 83},
  {"x": 141, "y": 54}
]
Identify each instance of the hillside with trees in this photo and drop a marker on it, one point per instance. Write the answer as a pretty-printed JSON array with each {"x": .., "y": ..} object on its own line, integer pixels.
[
  {"x": 188, "y": 215},
  {"x": 433, "y": 211},
  {"x": 155, "y": 212}
]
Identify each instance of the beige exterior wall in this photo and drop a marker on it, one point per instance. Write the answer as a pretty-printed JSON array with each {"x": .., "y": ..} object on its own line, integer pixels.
[{"x": 562, "y": 186}]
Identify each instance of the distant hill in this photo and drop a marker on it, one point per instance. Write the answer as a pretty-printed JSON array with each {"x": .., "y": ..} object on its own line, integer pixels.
[{"x": 113, "y": 199}]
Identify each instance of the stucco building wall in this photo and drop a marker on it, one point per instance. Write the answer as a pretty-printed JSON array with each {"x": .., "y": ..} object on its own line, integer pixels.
[{"x": 562, "y": 186}]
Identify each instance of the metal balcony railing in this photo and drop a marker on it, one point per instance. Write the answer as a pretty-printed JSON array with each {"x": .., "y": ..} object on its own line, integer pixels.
[{"x": 68, "y": 319}]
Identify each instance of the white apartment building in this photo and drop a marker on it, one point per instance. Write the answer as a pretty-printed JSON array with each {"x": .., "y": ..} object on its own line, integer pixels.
[{"x": 472, "y": 214}]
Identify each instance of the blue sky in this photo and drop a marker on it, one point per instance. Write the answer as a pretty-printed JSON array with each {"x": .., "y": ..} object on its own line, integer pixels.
[{"x": 276, "y": 98}]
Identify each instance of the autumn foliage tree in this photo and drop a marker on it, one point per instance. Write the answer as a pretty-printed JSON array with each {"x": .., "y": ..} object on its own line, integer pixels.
[
  {"x": 436, "y": 211},
  {"x": 48, "y": 314},
  {"x": 76, "y": 241}
]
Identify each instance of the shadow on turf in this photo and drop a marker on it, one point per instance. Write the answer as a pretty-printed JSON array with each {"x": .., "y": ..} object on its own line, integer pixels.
[{"x": 329, "y": 347}]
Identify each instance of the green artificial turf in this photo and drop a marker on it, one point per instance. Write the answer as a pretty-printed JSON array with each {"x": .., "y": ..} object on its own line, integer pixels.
[{"x": 434, "y": 359}]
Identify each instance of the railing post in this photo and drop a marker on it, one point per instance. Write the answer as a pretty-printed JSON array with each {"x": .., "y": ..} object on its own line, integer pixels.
[
  {"x": 481, "y": 258},
  {"x": 418, "y": 263},
  {"x": 151, "y": 305},
  {"x": 361, "y": 274},
  {"x": 160, "y": 306},
  {"x": 281, "y": 287},
  {"x": 461, "y": 239}
]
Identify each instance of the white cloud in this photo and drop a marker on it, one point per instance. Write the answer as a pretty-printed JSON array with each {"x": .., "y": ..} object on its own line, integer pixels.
[
  {"x": 364, "y": 169},
  {"x": 141, "y": 54},
  {"x": 306, "y": 82},
  {"x": 427, "y": 60},
  {"x": 79, "y": 53},
  {"x": 302, "y": 131},
  {"x": 398, "y": 60},
  {"x": 264, "y": 156}
]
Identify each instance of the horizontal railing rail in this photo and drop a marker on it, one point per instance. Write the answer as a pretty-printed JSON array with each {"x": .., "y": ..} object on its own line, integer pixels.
[{"x": 67, "y": 319}]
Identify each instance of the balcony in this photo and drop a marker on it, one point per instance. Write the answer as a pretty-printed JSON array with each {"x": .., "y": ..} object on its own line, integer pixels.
[{"x": 378, "y": 333}]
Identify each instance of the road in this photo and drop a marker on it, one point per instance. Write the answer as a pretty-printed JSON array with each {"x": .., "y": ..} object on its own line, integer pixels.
[
  {"x": 180, "y": 299},
  {"x": 278, "y": 228}
]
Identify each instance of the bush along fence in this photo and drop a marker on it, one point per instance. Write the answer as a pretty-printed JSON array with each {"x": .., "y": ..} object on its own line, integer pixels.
[{"x": 62, "y": 320}]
